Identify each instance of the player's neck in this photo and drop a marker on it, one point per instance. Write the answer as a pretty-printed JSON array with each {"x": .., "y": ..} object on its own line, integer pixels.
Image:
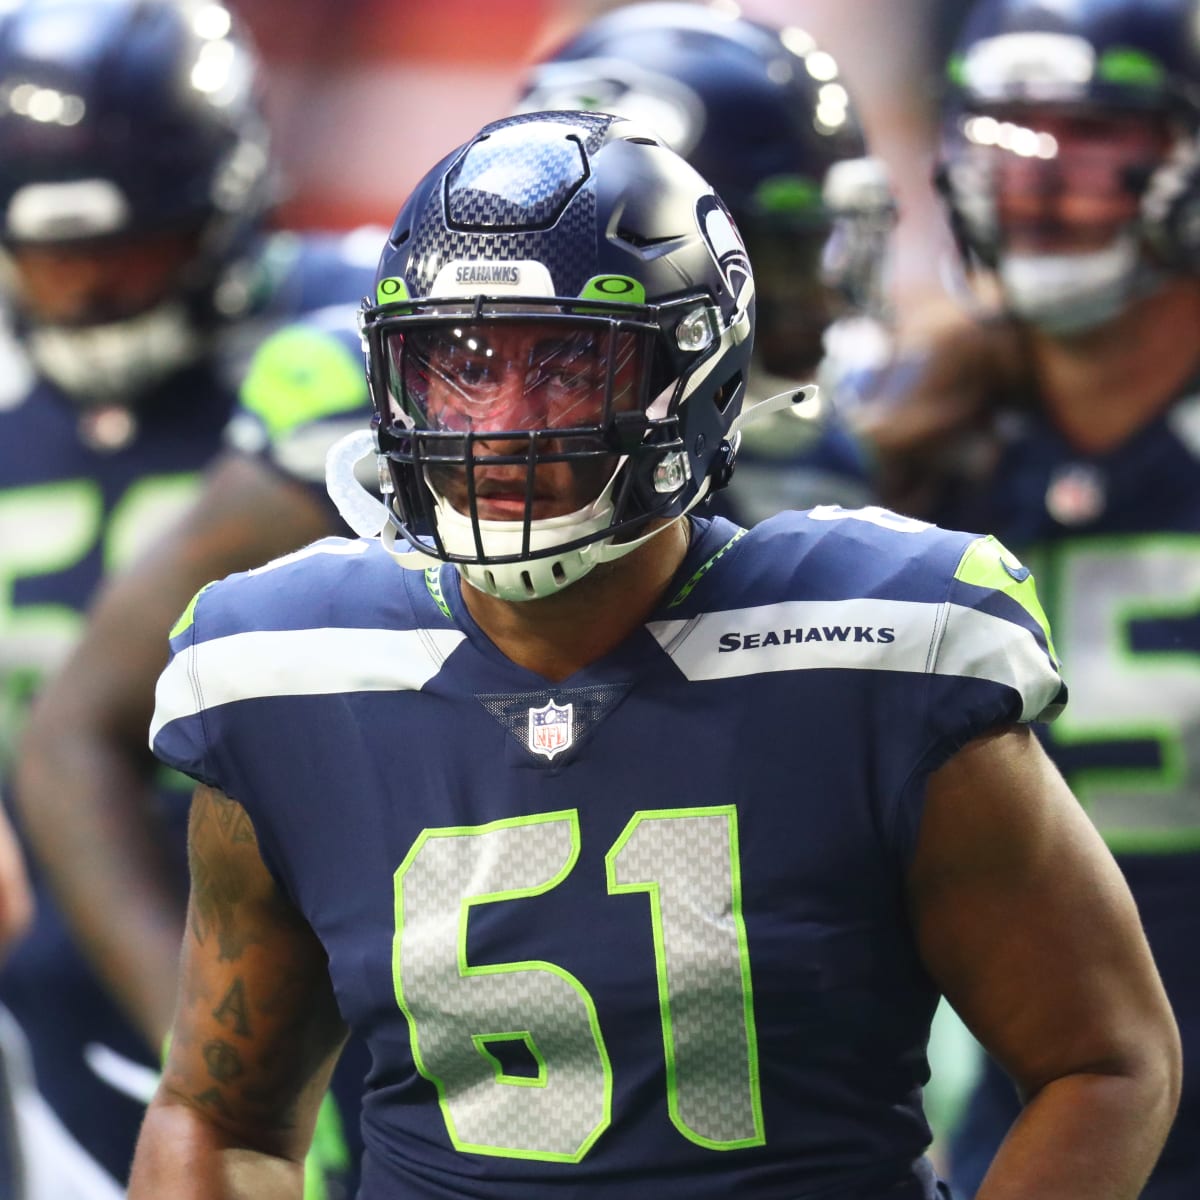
[
  {"x": 1100, "y": 388},
  {"x": 562, "y": 634}
]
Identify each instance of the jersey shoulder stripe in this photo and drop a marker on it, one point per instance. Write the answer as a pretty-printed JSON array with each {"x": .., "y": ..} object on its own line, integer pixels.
[
  {"x": 869, "y": 590},
  {"x": 298, "y": 662},
  {"x": 293, "y": 627}
]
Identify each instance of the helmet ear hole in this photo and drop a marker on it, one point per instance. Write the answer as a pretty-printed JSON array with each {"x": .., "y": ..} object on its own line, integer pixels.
[{"x": 732, "y": 387}]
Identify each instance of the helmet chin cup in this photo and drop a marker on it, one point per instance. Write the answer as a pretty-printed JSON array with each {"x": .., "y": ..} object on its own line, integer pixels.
[
  {"x": 118, "y": 361},
  {"x": 1063, "y": 294},
  {"x": 542, "y": 572}
]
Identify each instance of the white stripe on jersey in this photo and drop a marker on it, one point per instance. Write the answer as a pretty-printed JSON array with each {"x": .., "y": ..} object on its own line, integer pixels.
[
  {"x": 297, "y": 662},
  {"x": 864, "y": 634}
]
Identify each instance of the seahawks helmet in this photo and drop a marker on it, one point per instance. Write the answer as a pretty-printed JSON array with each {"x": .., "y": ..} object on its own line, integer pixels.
[
  {"x": 761, "y": 113},
  {"x": 1070, "y": 161},
  {"x": 579, "y": 251},
  {"x": 122, "y": 118}
]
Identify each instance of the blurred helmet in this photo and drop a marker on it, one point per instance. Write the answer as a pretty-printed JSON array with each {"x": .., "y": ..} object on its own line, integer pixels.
[
  {"x": 1070, "y": 160},
  {"x": 857, "y": 195},
  {"x": 557, "y": 351},
  {"x": 123, "y": 122},
  {"x": 761, "y": 113}
]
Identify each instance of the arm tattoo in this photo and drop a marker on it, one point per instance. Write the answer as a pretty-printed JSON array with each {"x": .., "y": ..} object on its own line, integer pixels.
[
  {"x": 217, "y": 885},
  {"x": 258, "y": 1016}
]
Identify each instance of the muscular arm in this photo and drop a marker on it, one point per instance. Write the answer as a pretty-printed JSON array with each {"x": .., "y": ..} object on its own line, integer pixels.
[
  {"x": 1024, "y": 919},
  {"x": 84, "y": 773},
  {"x": 256, "y": 1030}
]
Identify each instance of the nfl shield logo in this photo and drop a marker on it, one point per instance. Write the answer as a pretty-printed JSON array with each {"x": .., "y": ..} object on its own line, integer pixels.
[{"x": 550, "y": 728}]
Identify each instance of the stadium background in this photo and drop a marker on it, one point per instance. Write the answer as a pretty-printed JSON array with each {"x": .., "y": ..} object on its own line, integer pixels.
[{"x": 365, "y": 95}]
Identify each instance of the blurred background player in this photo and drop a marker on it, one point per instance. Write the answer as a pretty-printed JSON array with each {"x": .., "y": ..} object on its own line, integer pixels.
[
  {"x": 764, "y": 114},
  {"x": 135, "y": 179},
  {"x": 1071, "y": 171}
]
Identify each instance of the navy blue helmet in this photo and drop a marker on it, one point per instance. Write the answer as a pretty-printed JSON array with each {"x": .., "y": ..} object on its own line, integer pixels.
[
  {"x": 1070, "y": 159},
  {"x": 578, "y": 250},
  {"x": 761, "y": 113},
  {"x": 120, "y": 119}
]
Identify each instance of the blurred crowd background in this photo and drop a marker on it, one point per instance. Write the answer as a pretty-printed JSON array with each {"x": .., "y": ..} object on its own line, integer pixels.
[{"x": 338, "y": 71}]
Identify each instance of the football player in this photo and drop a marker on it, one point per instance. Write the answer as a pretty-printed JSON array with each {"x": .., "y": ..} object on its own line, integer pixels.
[
  {"x": 765, "y": 115},
  {"x": 702, "y": 76},
  {"x": 638, "y": 846}
]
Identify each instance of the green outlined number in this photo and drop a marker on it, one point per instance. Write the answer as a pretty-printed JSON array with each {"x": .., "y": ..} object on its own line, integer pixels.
[
  {"x": 686, "y": 861},
  {"x": 1102, "y": 589},
  {"x": 51, "y": 528},
  {"x": 700, "y": 950}
]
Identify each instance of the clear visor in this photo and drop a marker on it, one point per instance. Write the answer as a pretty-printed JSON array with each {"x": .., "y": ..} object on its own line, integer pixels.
[
  {"x": 514, "y": 376},
  {"x": 1063, "y": 182}
]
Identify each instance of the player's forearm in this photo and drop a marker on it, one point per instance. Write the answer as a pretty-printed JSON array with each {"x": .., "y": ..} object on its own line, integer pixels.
[
  {"x": 182, "y": 1155},
  {"x": 82, "y": 801},
  {"x": 1086, "y": 1137}
]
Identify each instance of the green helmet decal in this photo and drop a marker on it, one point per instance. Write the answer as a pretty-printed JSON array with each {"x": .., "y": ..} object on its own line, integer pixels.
[
  {"x": 1134, "y": 68},
  {"x": 788, "y": 194},
  {"x": 619, "y": 288},
  {"x": 390, "y": 290}
]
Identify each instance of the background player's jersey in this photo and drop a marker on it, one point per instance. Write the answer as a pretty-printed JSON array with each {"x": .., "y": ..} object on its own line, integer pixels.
[
  {"x": 1114, "y": 540},
  {"x": 644, "y": 926},
  {"x": 79, "y": 497},
  {"x": 306, "y": 387}
]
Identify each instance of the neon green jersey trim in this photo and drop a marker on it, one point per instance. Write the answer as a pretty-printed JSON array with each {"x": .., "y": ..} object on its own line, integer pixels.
[
  {"x": 189, "y": 614},
  {"x": 301, "y": 375},
  {"x": 989, "y": 564}
]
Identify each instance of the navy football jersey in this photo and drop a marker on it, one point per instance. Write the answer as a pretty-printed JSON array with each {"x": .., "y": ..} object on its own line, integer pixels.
[
  {"x": 79, "y": 497},
  {"x": 645, "y": 925},
  {"x": 1114, "y": 540}
]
